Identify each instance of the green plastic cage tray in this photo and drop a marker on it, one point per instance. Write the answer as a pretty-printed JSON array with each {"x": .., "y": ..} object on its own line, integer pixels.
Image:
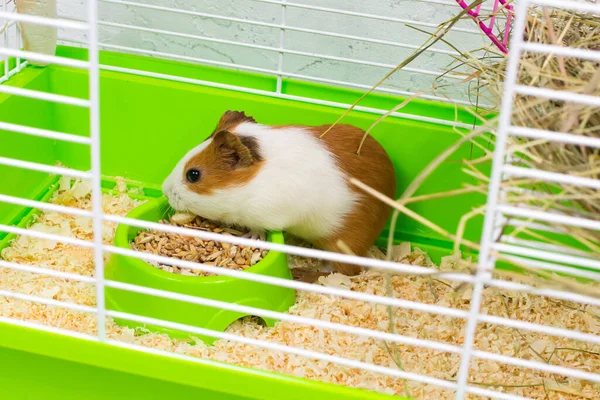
[{"x": 147, "y": 124}]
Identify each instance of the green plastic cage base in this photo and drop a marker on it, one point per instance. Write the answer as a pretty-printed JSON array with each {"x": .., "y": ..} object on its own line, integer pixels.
[
  {"x": 147, "y": 124},
  {"x": 42, "y": 365},
  {"x": 139, "y": 117}
]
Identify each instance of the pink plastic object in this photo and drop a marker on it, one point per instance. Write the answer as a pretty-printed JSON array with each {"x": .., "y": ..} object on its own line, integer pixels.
[{"x": 489, "y": 29}]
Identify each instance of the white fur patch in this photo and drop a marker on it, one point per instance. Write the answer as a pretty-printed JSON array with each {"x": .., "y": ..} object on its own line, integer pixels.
[
  {"x": 173, "y": 187},
  {"x": 299, "y": 188}
]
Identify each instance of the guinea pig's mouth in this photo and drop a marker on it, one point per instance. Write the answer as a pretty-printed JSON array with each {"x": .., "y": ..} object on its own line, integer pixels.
[{"x": 175, "y": 202}]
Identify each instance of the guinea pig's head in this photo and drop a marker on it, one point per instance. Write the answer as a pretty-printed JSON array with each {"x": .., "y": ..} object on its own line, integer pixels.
[{"x": 204, "y": 177}]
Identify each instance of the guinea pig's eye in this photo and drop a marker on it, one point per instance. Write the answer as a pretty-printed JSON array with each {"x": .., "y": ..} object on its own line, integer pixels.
[{"x": 192, "y": 175}]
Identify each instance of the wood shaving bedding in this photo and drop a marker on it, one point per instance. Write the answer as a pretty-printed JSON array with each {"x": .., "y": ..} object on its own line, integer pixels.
[{"x": 487, "y": 374}]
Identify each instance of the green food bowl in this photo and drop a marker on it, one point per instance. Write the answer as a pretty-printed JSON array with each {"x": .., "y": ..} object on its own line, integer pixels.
[{"x": 223, "y": 288}]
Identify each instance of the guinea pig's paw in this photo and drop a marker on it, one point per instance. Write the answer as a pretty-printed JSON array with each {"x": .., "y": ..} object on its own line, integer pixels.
[
  {"x": 307, "y": 275},
  {"x": 182, "y": 218},
  {"x": 327, "y": 266}
]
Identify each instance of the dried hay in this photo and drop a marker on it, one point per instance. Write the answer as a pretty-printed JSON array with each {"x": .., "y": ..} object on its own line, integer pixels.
[
  {"x": 564, "y": 74},
  {"x": 486, "y": 75},
  {"x": 507, "y": 341}
]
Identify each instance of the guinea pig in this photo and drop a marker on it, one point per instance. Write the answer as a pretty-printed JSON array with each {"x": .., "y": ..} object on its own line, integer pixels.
[{"x": 286, "y": 178}]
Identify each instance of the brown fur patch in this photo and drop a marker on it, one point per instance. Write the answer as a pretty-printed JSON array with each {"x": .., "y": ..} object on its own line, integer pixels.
[
  {"x": 252, "y": 144},
  {"x": 231, "y": 119},
  {"x": 374, "y": 168},
  {"x": 228, "y": 161}
]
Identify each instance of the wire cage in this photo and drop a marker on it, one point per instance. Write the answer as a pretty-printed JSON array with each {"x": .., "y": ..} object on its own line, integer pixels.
[{"x": 89, "y": 129}]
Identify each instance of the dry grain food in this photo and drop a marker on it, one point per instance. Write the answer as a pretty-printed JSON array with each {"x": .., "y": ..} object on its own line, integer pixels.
[{"x": 207, "y": 252}]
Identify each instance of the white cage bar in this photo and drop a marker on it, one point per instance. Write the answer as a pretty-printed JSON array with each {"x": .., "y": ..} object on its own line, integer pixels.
[{"x": 495, "y": 210}]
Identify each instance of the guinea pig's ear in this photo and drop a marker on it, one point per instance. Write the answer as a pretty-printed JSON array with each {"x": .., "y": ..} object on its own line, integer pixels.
[
  {"x": 231, "y": 119},
  {"x": 236, "y": 151}
]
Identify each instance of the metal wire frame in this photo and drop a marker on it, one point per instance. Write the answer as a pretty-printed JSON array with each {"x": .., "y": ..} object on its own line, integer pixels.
[
  {"x": 281, "y": 50},
  {"x": 400, "y": 339},
  {"x": 12, "y": 30},
  {"x": 495, "y": 210},
  {"x": 283, "y": 27},
  {"x": 282, "y": 74},
  {"x": 302, "y": 320},
  {"x": 472, "y": 316},
  {"x": 84, "y": 103}
]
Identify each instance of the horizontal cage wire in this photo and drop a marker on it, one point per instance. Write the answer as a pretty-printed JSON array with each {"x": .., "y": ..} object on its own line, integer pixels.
[
  {"x": 285, "y": 29},
  {"x": 414, "y": 322}
]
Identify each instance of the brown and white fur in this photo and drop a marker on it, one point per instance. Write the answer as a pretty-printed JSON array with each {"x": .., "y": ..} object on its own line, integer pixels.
[{"x": 286, "y": 178}]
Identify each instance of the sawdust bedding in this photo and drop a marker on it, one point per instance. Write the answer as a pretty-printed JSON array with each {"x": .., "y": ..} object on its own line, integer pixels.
[{"x": 511, "y": 342}]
